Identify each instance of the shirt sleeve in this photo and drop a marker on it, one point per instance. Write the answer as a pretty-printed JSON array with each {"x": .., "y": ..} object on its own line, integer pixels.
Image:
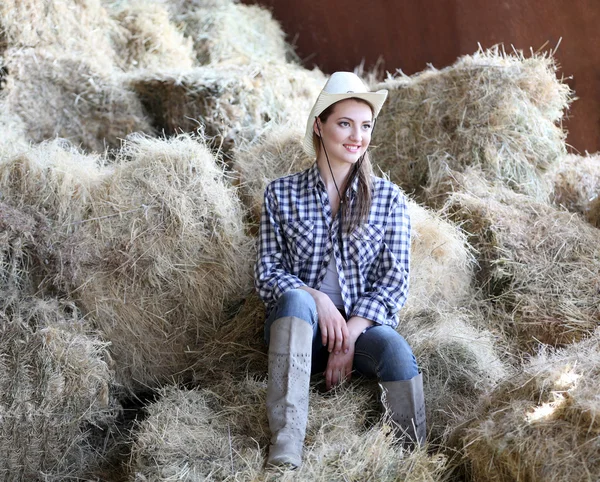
[
  {"x": 388, "y": 291},
  {"x": 271, "y": 279}
]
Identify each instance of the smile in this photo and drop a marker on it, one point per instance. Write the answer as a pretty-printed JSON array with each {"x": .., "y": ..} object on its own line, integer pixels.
[{"x": 351, "y": 147}]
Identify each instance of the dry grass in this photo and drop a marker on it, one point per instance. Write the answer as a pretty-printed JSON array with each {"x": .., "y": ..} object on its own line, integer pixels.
[
  {"x": 227, "y": 102},
  {"x": 541, "y": 425},
  {"x": 492, "y": 110},
  {"x": 442, "y": 262},
  {"x": 576, "y": 181},
  {"x": 277, "y": 153},
  {"x": 73, "y": 100},
  {"x": 151, "y": 40},
  {"x": 538, "y": 264},
  {"x": 161, "y": 257},
  {"x": 221, "y": 433},
  {"x": 229, "y": 32},
  {"x": 55, "y": 385}
]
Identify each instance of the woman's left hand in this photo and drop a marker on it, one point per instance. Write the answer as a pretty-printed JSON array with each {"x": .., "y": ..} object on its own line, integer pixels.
[{"x": 339, "y": 367}]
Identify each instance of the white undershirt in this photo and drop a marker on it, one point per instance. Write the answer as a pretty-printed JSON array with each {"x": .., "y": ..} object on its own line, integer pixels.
[{"x": 331, "y": 284}]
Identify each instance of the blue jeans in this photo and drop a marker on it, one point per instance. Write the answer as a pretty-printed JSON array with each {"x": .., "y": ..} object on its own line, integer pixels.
[{"x": 380, "y": 352}]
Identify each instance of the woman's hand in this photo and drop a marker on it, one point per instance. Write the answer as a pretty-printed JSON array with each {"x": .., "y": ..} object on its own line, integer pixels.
[
  {"x": 334, "y": 332},
  {"x": 339, "y": 368}
]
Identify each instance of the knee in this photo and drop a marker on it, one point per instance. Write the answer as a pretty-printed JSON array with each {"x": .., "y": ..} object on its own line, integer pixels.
[
  {"x": 397, "y": 360},
  {"x": 298, "y": 303}
]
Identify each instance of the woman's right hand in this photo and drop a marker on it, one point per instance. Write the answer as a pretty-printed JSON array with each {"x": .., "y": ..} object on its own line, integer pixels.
[{"x": 334, "y": 331}]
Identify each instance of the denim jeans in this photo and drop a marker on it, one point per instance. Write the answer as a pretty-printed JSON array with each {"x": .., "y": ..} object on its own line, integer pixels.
[{"x": 380, "y": 352}]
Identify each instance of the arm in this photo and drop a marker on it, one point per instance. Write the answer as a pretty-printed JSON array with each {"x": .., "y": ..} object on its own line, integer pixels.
[{"x": 388, "y": 293}]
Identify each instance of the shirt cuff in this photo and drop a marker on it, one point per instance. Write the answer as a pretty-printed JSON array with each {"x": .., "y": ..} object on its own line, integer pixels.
[{"x": 374, "y": 310}]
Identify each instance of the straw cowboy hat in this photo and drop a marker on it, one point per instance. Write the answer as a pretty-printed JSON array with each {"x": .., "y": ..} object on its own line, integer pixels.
[{"x": 340, "y": 86}]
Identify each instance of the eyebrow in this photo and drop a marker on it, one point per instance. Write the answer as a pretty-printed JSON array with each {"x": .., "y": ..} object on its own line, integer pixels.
[{"x": 350, "y": 119}]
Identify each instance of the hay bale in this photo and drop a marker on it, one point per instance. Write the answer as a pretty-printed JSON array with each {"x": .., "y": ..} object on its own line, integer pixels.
[
  {"x": 73, "y": 100},
  {"x": 593, "y": 213},
  {"x": 277, "y": 153},
  {"x": 162, "y": 257},
  {"x": 84, "y": 29},
  {"x": 227, "y": 102},
  {"x": 539, "y": 264},
  {"x": 55, "y": 385},
  {"x": 460, "y": 363},
  {"x": 212, "y": 433},
  {"x": 442, "y": 262},
  {"x": 151, "y": 40},
  {"x": 228, "y": 32},
  {"x": 576, "y": 181},
  {"x": 542, "y": 425},
  {"x": 490, "y": 109}
]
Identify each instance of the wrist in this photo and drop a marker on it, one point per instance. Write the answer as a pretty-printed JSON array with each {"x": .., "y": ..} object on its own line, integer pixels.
[{"x": 356, "y": 326}]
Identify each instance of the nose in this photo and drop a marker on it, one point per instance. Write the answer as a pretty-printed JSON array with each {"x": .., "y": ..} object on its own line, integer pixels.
[{"x": 355, "y": 134}]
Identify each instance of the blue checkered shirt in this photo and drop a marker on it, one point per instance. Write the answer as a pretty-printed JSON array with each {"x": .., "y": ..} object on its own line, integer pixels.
[{"x": 298, "y": 236}]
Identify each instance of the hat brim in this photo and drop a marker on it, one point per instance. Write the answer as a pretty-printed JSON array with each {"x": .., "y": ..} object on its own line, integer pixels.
[{"x": 325, "y": 99}]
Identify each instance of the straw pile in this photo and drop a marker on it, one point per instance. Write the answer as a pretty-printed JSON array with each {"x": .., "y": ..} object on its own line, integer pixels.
[
  {"x": 151, "y": 40},
  {"x": 538, "y": 264},
  {"x": 576, "y": 181},
  {"x": 54, "y": 386},
  {"x": 442, "y": 262},
  {"x": 222, "y": 433},
  {"x": 460, "y": 363},
  {"x": 228, "y": 102},
  {"x": 277, "y": 153},
  {"x": 227, "y": 32},
  {"x": 162, "y": 257},
  {"x": 542, "y": 425},
  {"x": 72, "y": 100},
  {"x": 492, "y": 110}
]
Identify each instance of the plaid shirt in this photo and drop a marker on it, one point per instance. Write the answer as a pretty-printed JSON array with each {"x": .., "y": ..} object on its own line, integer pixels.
[{"x": 298, "y": 236}]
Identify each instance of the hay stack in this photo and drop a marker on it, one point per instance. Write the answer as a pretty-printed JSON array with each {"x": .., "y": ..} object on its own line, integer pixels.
[
  {"x": 73, "y": 99},
  {"x": 576, "y": 181},
  {"x": 492, "y": 110},
  {"x": 277, "y": 153},
  {"x": 224, "y": 31},
  {"x": 539, "y": 264},
  {"x": 442, "y": 262},
  {"x": 151, "y": 40},
  {"x": 162, "y": 257},
  {"x": 54, "y": 387},
  {"x": 542, "y": 425},
  {"x": 84, "y": 29},
  {"x": 460, "y": 363},
  {"x": 223, "y": 433},
  {"x": 230, "y": 103}
]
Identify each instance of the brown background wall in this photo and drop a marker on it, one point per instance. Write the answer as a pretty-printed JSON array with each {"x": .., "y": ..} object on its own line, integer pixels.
[{"x": 409, "y": 34}]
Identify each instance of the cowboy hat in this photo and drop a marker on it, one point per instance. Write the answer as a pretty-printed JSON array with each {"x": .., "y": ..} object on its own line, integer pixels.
[{"x": 340, "y": 86}]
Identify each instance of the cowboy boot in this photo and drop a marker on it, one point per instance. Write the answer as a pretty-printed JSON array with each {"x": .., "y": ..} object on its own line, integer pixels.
[
  {"x": 287, "y": 389},
  {"x": 406, "y": 402}
]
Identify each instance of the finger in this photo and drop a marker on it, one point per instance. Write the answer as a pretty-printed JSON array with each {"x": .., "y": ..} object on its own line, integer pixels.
[
  {"x": 328, "y": 375},
  {"x": 346, "y": 338},
  {"x": 338, "y": 341},
  {"x": 324, "y": 336},
  {"x": 331, "y": 341}
]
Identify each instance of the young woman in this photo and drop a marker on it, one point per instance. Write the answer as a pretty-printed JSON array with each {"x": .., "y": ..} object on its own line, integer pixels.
[{"x": 332, "y": 269}]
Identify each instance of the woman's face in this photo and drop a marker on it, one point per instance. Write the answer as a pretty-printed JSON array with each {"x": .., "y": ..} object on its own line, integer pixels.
[{"x": 347, "y": 131}]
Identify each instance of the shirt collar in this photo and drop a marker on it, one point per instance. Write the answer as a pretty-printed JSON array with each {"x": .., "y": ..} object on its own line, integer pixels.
[{"x": 314, "y": 179}]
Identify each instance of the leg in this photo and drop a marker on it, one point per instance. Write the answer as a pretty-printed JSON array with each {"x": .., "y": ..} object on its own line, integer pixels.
[
  {"x": 381, "y": 352},
  {"x": 289, "y": 331}
]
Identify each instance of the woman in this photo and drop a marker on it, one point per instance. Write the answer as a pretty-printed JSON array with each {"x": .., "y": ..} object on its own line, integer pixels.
[{"x": 332, "y": 269}]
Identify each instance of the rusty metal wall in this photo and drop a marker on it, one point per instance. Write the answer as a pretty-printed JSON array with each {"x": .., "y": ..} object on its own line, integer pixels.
[{"x": 409, "y": 34}]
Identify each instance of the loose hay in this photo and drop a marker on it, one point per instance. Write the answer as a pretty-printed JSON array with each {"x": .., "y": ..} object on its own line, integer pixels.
[
  {"x": 460, "y": 363},
  {"x": 492, "y": 110},
  {"x": 229, "y": 103},
  {"x": 54, "y": 386},
  {"x": 228, "y": 32},
  {"x": 162, "y": 257},
  {"x": 576, "y": 181},
  {"x": 277, "y": 153},
  {"x": 542, "y": 425},
  {"x": 539, "y": 264},
  {"x": 151, "y": 40},
  {"x": 222, "y": 433},
  {"x": 442, "y": 262},
  {"x": 73, "y": 100}
]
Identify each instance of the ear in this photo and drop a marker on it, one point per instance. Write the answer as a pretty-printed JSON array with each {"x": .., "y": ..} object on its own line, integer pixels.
[{"x": 315, "y": 128}]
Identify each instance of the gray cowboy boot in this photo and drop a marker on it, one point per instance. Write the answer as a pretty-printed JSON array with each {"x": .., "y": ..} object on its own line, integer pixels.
[
  {"x": 287, "y": 389},
  {"x": 406, "y": 402}
]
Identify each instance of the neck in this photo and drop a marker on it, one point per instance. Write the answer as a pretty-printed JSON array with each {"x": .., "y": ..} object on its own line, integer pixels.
[{"x": 341, "y": 173}]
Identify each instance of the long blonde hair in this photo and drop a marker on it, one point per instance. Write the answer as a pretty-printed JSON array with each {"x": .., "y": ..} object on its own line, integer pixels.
[{"x": 353, "y": 216}]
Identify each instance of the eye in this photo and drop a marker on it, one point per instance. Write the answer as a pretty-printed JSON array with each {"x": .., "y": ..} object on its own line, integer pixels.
[
  {"x": 366, "y": 127},
  {"x": 344, "y": 124}
]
